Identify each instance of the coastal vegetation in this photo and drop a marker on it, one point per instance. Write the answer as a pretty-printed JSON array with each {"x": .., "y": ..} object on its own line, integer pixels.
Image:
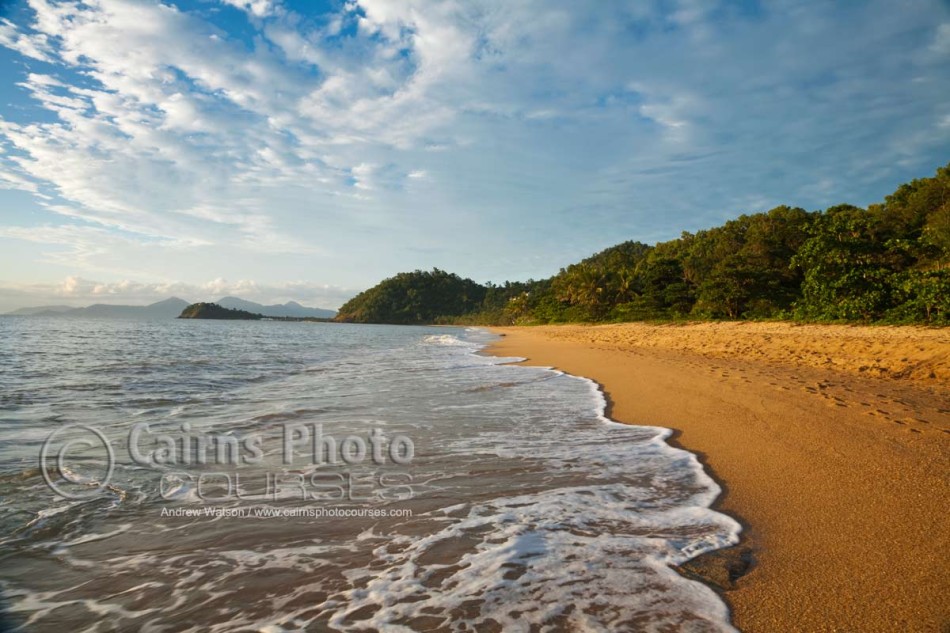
[{"x": 887, "y": 263}]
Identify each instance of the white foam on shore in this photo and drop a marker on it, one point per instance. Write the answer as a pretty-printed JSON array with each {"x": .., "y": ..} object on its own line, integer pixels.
[
  {"x": 445, "y": 339},
  {"x": 586, "y": 558},
  {"x": 682, "y": 457}
]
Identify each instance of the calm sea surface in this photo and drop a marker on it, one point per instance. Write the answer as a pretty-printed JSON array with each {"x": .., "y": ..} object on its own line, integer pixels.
[{"x": 355, "y": 478}]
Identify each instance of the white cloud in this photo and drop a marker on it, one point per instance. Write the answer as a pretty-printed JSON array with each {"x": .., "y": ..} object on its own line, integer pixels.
[
  {"x": 258, "y": 8},
  {"x": 362, "y": 174},
  {"x": 33, "y": 46}
]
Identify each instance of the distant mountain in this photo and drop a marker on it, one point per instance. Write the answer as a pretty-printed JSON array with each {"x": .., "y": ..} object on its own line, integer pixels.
[
  {"x": 171, "y": 308},
  {"x": 40, "y": 310},
  {"x": 167, "y": 309},
  {"x": 289, "y": 309}
]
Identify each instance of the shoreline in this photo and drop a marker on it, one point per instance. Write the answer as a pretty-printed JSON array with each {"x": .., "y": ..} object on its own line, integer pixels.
[{"x": 836, "y": 476}]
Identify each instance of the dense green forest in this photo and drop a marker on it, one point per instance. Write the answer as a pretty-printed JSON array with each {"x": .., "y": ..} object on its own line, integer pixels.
[
  {"x": 887, "y": 263},
  {"x": 419, "y": 297}
]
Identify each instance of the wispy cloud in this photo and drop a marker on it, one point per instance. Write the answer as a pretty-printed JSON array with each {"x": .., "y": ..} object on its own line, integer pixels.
[
  {"x": 248, "y": 139},
  {"x": 35, "y": 46}
]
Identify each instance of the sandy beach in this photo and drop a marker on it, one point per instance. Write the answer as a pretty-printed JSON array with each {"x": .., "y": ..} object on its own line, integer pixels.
[{"x": 831, "y": 444}]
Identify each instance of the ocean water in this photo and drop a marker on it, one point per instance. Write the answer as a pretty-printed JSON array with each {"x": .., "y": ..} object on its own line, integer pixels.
[{"x": 466, "y": 494}]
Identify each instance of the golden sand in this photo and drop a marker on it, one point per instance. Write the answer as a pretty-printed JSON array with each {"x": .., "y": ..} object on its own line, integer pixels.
[
  {"x": 885, "y": 351},
  {"x": 832, "y": 444}
]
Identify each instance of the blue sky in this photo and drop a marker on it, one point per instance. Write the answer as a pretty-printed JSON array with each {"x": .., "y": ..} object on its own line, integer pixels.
[{"x": 305, "y": 150}]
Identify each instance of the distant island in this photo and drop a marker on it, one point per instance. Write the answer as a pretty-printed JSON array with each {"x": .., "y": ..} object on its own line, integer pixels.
[
  {"x": 204, "y": 310},
  {"x": 214, "y": 311},
  {"x": 888, "y": 263},
  {"x": 172, "y": 308}
]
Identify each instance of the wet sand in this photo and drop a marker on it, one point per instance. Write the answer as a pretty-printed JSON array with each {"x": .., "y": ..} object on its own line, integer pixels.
[{"x": 832, "y": 444}]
